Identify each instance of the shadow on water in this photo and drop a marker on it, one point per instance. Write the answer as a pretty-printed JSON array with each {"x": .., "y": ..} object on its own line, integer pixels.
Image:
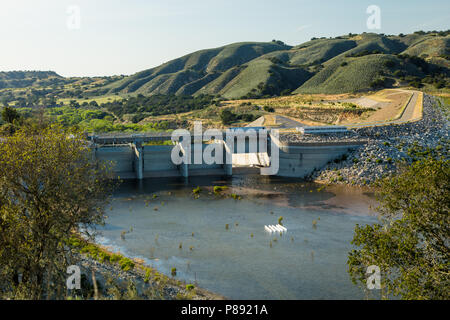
[{"x": 297, "y": 191}]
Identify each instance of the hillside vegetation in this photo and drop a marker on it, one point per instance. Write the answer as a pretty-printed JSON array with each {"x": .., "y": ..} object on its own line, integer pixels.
[
  {"x": 351, "y": 63},
  {"x": 346, "y": 64},
  {"x": 197, "y": 85}
]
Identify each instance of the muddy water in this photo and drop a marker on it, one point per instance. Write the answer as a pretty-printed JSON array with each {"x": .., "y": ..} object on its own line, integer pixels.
[{"x": 219, "y": 242}]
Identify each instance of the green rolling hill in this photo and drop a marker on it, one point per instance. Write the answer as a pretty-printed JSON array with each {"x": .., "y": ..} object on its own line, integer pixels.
[
  {"x": 349, "y": 63},
  {"x": 190, "y": 73},
  {"x": 22, "y": 79}
]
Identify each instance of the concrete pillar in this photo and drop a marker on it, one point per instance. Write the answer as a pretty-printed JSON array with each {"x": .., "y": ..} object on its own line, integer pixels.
[
  {"x": 138, "y": 159},
  {"x": 227, "y": 155},
  {"x": 184, "y": 169}
]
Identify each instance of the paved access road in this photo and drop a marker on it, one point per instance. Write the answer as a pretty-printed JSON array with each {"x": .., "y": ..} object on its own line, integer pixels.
[{"x": 407, "y": 115}]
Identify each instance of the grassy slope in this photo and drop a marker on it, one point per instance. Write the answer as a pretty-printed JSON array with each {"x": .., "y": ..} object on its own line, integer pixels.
[
  {"x": 19, "y": 75},
  {"x": 430, "y": 47},
  {"x": 355, "y": 76},
  {"x": 248, "y": 79},
  {"x": 173, "y": 75},
  {"x": 320, "y": 50},
  {"x": 240, "y": 69},
  {"x": 287, "y": 74},
  {"x": 256, "y": 68},
  {"x": 359, "y": 72}
]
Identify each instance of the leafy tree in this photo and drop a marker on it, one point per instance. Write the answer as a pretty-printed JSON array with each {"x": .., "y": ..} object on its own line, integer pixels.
[
  {"x": 50, "y": 187},
  {"x": 411, "y": 244},
  {"x": 415, "y": 84},
  {"x": 227, "y": 116},
  {"x": 378, "y": 83},
  {"x": 389, "y": 63},
  {"x": 9, "y": 115}
]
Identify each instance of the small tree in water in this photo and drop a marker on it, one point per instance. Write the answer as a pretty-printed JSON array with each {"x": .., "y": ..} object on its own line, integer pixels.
[
  {"x": 411, "y": 245},
  {"x": 50, "y": 187}
]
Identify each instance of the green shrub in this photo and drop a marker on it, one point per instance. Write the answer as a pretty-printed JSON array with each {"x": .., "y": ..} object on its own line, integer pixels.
[
  {"x": 126, "y": 264},
  {"x": 75, "y": 242},
  {"x": 190, "y": 287},
  {"x": 227, "y": 117},
  {"x": 389, "y": 63},
  {"x": 378, "y": 83},
  {"x": 197, "y": 190},
  {"x": 104, "y": 257},
  {"x": 280, "y": 221},
  {"x": 218, "y": 189},
  {"x": 147, "y": 275},
  {"x": 91, "y": 250},
  {"x": 115, "y": 258},
  {"x": 173, "y": 272}
]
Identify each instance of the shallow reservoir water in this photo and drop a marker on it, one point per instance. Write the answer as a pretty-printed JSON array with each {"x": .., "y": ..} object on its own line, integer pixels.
[{"x": 224, "y": 247}]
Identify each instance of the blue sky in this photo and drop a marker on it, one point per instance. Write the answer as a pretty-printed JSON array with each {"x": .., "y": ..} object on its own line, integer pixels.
[{"x": 123, "y": 37}]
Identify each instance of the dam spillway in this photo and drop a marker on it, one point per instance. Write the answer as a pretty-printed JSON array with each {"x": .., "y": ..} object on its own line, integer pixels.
[{"x": 133, "y": 159}]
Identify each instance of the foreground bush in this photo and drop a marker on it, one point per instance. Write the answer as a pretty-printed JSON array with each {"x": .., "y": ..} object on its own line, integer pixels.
[
  {"x": 50, "y": 187},
  {"x": 411, "y": 245}
]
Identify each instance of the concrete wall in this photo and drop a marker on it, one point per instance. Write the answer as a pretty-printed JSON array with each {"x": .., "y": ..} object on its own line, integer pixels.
[
  {"x": 154, "y": 161},
  {"x": 207, "y": 169},
  {"x": 294, "y": 160},
  {"x": 300, "y": 161},
  {"x": 122, "y": 158},
  {"x": 158, "y": 163}
]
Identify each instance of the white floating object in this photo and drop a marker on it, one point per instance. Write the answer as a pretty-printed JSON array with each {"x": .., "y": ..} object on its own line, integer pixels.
[
  {"x": 278, "y": 229},
  {"x": 275, "y": 228}
]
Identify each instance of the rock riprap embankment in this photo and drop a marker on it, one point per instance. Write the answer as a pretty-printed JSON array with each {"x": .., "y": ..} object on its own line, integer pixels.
[{"x": 386, "y": 147}]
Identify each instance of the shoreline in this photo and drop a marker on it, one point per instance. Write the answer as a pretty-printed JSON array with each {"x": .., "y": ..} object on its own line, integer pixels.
[{"x": 136, "y": 271}]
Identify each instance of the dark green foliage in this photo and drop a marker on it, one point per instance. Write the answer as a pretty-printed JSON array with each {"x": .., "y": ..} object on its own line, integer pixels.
[
  {"x": 378, "y": 83},
  {"x": 50, "y": 187},
  {"x": 158, "y": 104},
  {"x": 227, "y": 117},
  {"x": 363, "y": 53},
  {"x": 389, "y": 63},
  {"x": 415, "y": 84},
  {"x": 411, "y": 244},
  {"x": 10, "y": 115}
]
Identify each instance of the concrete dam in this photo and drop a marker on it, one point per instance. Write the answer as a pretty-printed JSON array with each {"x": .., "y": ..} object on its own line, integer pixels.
[{"x": 133, "y": 158}]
